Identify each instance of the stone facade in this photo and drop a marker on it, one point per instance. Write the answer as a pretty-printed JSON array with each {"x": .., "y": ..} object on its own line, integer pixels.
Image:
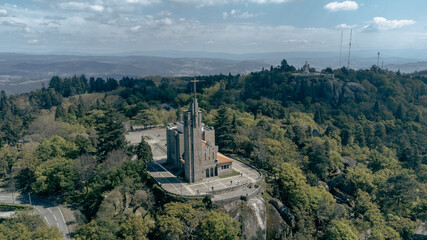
[{"x": 191, "y": 148}]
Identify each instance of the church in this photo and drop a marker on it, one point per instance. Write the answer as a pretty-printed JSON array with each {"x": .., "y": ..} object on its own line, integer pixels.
[{"x": 191, "y": 148}]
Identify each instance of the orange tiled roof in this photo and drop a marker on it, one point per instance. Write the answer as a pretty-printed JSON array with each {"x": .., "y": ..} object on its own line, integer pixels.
[{"x": 223, "y": 159}]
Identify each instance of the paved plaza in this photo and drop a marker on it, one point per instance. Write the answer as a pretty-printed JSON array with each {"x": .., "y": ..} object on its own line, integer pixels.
[{"x": 158, "y": 169}]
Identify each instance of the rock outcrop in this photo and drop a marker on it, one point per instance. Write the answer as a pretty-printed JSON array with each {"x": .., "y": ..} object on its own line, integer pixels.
[
  {"x": 252, "y": 215},
  {"x": 333, "y": 91}
]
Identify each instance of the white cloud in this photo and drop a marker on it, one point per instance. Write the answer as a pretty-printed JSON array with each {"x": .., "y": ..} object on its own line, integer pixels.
[
  {"x": 381, "y": 23},
  {"x": 341, "y": 6},
  {"x": 237, "y": 14},
  {"x": 143, "y": 2},
  {"x": 81, "y": 6},
  {"x": 270, "y": 1},
  {"x": 203, "y": 3},
  {"x": 3, "y": 13},
  {"x": 344, "y": 26},
  {"x": 33, "y": 41},
  {"x": 246, "y": 15},
  {"x": 135, "y": 28},
  {"x": 224, "y": 15}
]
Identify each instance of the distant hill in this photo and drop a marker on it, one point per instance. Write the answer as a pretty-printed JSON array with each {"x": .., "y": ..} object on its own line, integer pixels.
[
  {"x": 20, "y": 72},
  {"x": 25, "y": 72},
  {"x": 408, "y": 67}
]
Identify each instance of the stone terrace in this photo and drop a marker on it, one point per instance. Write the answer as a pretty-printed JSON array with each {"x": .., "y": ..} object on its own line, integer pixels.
[{"x": 221, "y": 188}]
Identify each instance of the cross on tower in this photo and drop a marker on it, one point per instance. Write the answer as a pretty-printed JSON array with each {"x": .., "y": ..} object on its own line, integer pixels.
[{"x": 194, "y": 88}]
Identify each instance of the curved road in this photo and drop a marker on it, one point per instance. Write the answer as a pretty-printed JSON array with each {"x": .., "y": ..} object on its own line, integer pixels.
[{"x": 51, "y": 213}]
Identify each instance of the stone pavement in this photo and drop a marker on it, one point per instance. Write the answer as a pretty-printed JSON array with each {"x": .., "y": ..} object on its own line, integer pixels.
[{"x": 174, "y": 184}]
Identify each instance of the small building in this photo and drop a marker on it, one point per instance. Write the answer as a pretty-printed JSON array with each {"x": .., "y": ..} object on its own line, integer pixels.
[
  {"x": 191, "y": 148},
  {"x": 306, "y": 73}
]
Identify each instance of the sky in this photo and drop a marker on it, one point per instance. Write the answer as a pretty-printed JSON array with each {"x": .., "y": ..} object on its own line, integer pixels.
[{"x": 228, "y": 26}]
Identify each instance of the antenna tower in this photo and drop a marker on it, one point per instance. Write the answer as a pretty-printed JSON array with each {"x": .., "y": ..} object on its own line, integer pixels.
[
  {"x": 378, "y": 60},
  {"x": 341, "y": 47},
  {"x": 349, "y": 48}
]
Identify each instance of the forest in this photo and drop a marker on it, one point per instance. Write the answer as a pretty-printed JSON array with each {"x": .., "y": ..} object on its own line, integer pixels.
[{"x": 346, "y": 155}]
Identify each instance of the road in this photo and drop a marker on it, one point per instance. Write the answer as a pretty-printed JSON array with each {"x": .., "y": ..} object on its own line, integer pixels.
[{"x": 51, "y": 213}]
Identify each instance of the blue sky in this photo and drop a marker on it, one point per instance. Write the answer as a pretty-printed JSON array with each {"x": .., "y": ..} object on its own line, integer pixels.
[{"x": 231, "y": 26}]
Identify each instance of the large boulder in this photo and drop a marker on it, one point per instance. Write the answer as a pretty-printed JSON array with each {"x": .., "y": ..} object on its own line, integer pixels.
[
  {"x": 284, "y": 211},
  {"x": 277, "y": 228}
]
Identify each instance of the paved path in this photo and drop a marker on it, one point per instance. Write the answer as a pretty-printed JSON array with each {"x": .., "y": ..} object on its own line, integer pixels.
[{"x": 51, "y": 214}]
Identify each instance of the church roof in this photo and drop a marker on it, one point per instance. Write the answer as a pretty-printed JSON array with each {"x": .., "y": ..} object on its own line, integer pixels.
[{"x": 223, "y": 159}]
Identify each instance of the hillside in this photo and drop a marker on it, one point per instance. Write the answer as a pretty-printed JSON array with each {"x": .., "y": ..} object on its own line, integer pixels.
[
  {"x": 22, "y": 73},
  {"x": 343, "y": 157}
]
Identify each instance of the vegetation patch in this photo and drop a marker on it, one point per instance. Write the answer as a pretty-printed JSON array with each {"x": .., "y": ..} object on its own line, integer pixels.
[
  {"x": 7, "y": 207},
  {"x": 232, "y": 174}
]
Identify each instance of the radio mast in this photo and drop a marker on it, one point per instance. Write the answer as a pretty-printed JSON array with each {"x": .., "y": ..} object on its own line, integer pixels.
[
  {"x": 378, "y": 60},
  {"x": 341, "y": 47},
  {"x": 349, "y": 48}
]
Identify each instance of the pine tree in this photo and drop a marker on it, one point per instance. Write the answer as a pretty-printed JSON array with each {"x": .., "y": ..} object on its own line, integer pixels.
[
  {"x": 60, "y": 113},
  {"x": 318, "y": 116},
  {"x": 225, "y": 129},
  {"x": 111, "y": 134},
  {"x": 143, "y": 151}
]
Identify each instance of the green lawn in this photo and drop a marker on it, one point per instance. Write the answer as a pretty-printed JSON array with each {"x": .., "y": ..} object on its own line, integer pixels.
[{"x": 232, "y": 174}]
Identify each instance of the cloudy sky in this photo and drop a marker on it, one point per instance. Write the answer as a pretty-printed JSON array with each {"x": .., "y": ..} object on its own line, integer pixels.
[{"x": 232, "y": 26}]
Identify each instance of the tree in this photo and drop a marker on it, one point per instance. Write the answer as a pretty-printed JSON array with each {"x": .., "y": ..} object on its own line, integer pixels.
[
  {"x": 285, "y": 67},
  {"x": 292, "y": 184},
  {"x": 27, "y": 225},
  {"x": 136, "y": 227},
  {"x": 60, "y": 113},
  {"x": 54, "y": 175},
  {"x": 12, "y": 128},
  {"x": 56, "y": 147},
  {"x": 361, "y": 178},
  {"x": 225, "y": 128},
  {"x": 8, "y": 156},
  {"x": 341, "y": 230},
  {"x": 179, "y": 221},
  {"x": 219, "y": 226},
  {"x": 143, "y": 151},
  {"x": 83, "y": 144},
  {"x": 111, "y": 134}
]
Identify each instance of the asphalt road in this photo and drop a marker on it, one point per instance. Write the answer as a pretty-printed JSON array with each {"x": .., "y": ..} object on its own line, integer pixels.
[{"x": 51, "y": 213}]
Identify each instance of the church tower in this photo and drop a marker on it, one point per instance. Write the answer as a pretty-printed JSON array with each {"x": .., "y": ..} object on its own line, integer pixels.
[{"x": 193, "y": 142}]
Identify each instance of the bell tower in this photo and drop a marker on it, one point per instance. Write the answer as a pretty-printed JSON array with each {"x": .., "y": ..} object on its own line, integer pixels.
[{"x": 193, "y": 141}]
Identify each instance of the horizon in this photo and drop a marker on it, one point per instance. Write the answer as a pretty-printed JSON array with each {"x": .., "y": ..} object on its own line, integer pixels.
[{"x": 103, "y": 27}]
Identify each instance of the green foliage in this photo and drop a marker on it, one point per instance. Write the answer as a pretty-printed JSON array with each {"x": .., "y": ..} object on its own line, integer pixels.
[
  {"x": 179, "y": 221},
  {"x": 5, "y": 207},
  {"x": 297, "y": 130},
  {"x": 56, "y": 147},
  {"x": 54, "y": 175},
  {"x": 219, "y": 226},
  {"x": 341, "y": 230},
  {"x": 295, "y": 190},
  {"x": 8, "y": 157},
  {"x": 27, "y": 226},
  {"x": 143, "y": 151},
  {"x": 110, "y": 133},
  {"x": 361, "y": 178},
  {"x": 136, "y": 227}
]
